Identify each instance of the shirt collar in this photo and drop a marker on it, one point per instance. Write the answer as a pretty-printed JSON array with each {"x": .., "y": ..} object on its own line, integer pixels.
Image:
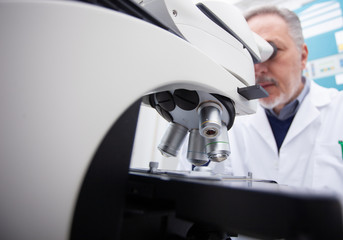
[{"x": 291, "y": 108}]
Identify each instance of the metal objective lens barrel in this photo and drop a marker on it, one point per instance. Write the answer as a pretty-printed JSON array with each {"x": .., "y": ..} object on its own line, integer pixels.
[
  {"x": 218, "y": 149},
  {"x": 172, "y": 140},
  {"x": 210, "y": 119},
  {"x": 196, "y": 149}
]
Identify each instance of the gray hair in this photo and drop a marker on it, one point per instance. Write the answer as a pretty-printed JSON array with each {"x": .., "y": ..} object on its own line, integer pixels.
[{"x": 287, "y": 15}]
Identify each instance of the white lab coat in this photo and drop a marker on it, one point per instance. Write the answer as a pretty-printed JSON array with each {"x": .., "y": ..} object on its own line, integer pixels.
[{"x": 310, "y": 155}]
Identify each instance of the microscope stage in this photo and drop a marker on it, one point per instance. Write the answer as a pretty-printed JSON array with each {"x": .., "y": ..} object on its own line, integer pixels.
[{"x": 241, "y": 205}]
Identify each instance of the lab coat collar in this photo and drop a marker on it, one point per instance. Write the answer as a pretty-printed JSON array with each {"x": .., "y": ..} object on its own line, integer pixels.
[
  {"x": 317, "y": 98},
  {"x": 306, "y": 114},
  {"x": 309, "y": 111}
]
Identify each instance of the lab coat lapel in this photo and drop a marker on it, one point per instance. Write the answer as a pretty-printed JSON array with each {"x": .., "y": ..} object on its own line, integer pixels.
[
  {"x": 306, "y": 114},
  {"x": 262, "y": 127}
]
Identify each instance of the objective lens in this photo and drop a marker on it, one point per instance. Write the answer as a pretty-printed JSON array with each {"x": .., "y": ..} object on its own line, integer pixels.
[
  {"x": 196, "y": 149},
  {"x": 172, "y": 140},
  {"x": 218, "y": 149},
  {"x": 210, "y": 119}
]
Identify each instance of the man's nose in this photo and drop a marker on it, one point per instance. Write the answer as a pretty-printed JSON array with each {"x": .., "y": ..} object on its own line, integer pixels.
[{"x": 260, "y": 69}]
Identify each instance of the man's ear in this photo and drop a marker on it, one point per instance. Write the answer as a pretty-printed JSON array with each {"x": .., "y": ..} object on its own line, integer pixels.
[{"x": 304, "y": 55}]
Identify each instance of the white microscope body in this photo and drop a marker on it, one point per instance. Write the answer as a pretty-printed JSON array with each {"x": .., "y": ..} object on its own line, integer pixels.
[
  {"x": 219, "y": 30},
  {"x": 68, "y": 72}
]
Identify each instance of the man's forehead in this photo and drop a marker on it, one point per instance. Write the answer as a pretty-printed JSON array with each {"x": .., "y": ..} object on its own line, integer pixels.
[
  {"x": 269, "y": 26},
  {"x": 267, "y": 20}
]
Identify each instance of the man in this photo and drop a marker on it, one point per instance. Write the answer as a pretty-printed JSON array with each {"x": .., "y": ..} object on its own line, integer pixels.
[{"x": 295, "y": 136}]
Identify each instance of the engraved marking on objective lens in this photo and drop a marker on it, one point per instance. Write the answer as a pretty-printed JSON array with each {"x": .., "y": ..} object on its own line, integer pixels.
[
  {"x": 216, "y": 143},
  {"x": 209, "y": 121}
]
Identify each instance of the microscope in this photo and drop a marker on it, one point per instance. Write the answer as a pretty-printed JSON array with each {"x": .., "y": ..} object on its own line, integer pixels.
[
  {"x": 220, "y": 31},
  {"x": 73, "y": 77}
]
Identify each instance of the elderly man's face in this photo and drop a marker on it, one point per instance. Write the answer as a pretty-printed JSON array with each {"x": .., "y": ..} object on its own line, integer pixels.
[{"x": 280, "y": 76}]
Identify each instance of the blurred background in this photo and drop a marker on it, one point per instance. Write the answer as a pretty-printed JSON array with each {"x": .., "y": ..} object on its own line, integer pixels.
[{"x": 290, "y": 4}]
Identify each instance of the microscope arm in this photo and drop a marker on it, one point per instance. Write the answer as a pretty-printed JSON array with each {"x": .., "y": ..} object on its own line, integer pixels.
[{"x": 68, "y": 71}]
